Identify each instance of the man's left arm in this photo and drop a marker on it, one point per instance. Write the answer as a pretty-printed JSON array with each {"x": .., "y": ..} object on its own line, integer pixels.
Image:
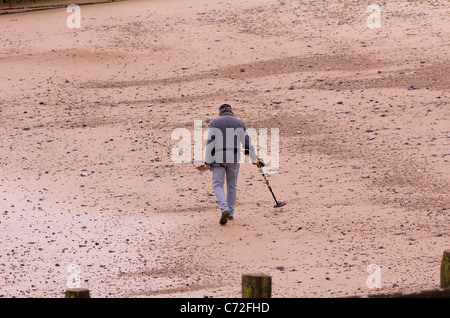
[{"x": 211, "y": 138}]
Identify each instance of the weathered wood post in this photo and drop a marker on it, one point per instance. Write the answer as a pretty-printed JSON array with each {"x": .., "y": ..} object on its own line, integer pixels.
[
  {"x": 77, "y": 293},
  {"x": 445, "y": 269},
  {"x": 256, "y": 286}
]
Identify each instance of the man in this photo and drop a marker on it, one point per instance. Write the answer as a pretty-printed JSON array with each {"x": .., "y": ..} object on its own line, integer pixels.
[{"x": 222, "y": 157}]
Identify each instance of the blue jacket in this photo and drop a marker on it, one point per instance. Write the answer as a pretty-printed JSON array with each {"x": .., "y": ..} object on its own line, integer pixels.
[{"x": 219, "y": 149}]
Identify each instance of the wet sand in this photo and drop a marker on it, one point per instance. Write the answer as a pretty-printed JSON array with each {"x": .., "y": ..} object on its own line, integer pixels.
[{"x": 87, "y": 176}]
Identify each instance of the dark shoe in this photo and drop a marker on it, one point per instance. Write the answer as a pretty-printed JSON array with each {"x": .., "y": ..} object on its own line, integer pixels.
[
  {"x": 230, "y": 217},
  {"x": 224, "y": 217}
]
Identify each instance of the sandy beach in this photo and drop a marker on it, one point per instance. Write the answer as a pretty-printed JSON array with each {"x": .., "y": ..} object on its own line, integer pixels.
[{"x": 87, "y": 175}]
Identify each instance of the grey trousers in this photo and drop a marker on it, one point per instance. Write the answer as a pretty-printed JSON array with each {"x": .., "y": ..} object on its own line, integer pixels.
[{"x": 230, "y": 171}]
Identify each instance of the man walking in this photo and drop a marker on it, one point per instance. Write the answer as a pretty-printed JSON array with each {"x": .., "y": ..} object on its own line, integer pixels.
[{"x": 222, "y": 157}]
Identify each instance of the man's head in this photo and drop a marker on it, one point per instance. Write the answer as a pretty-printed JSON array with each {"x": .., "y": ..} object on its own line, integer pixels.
[{"x": 225, "y": 108}]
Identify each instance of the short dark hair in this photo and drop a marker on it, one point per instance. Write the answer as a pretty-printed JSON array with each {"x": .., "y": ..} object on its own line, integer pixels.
[{"x": 224, "y": 108}]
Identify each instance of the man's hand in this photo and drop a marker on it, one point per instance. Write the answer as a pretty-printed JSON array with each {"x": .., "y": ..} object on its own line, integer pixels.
[
  {"x": 259, "y": 163},
  {"x": 208, "y": 167}
]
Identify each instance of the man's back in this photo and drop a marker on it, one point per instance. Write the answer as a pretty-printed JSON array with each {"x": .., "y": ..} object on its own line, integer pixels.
[{"x": 219, "y": 148}]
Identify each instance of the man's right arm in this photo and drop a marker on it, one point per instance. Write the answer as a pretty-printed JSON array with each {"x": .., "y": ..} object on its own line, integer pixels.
[{"x": 248, "y": 147}]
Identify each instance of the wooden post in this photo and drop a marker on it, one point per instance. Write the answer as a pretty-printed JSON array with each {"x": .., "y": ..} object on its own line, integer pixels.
[
  {"x": 256, "y": 286},
  {"x": 77, "y": 293},
  {"x": 445, "y": 270}
]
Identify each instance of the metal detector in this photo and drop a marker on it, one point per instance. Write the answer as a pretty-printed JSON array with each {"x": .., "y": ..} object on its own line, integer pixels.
[{"x": 260, "y": 165}]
